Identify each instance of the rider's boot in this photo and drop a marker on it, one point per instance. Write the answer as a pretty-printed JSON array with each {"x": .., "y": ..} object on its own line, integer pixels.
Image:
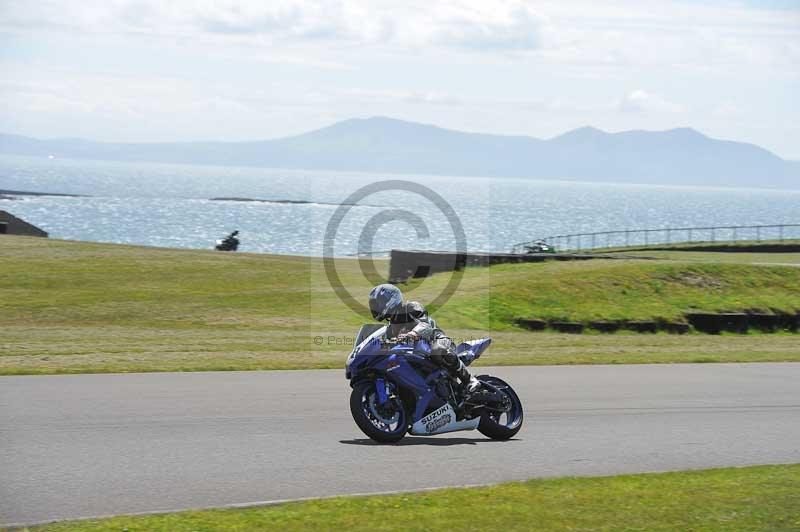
[{"x": 469, "y": 383}]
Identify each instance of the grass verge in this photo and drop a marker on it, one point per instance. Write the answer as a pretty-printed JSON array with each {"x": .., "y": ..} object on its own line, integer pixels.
[
  {"x": 72, "y": 307},
  {"x": 765, "y": 247},
  {"x": 752, "y": 498}
]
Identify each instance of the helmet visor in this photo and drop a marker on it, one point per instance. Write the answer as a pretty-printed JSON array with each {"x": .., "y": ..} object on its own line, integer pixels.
[{"x": 378, "y": 309}]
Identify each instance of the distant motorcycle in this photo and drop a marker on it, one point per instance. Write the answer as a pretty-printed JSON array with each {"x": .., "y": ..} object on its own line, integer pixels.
[
  {"x": 229, "y": 243},
  {"x": 540, "y": 247},
  {"x": 398, "y": 389}
]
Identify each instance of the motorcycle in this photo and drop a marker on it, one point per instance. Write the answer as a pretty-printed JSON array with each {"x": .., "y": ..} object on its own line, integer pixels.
[
  {"x": 227, "y": 244},
  {"x": 396, "y": 389}
]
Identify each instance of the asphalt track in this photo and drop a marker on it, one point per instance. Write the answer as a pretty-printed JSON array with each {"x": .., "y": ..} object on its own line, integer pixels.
[{"x": 91, "y": 445}]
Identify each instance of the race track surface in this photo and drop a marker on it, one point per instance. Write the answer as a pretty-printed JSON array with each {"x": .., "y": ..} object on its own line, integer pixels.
[{"x": 89, "y": 445}]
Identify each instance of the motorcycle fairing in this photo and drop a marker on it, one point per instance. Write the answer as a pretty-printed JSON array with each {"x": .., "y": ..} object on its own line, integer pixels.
[
  {"x": 396, "y": 367},
  {"x": 469, "y": 352},
  {"x": 476, "y": 346},
  {"x": 442, "y": 420},
  {"x": 373, "y": 341}
]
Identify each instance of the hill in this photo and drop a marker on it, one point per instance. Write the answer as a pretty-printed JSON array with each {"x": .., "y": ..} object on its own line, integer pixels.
[{"x": 674, "y": 157}]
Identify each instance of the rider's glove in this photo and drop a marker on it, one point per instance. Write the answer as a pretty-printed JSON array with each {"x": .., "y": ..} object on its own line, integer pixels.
[{"x": 409, "y": 337}]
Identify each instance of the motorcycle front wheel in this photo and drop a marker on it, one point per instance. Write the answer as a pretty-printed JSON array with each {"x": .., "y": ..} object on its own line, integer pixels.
[
  {"x": 501, "y": 425},
  {"x": 384, "y": 424}
]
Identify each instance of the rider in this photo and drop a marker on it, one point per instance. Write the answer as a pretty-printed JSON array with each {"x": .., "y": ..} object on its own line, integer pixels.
[
  {"x": 232, "y": 239},
  {"x": 409, "y": 320}
]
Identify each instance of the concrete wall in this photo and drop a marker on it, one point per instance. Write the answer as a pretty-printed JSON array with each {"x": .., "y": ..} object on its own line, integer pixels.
[
  {"x": 408, "y": 264},
  {"x": 11, "y": 225}
]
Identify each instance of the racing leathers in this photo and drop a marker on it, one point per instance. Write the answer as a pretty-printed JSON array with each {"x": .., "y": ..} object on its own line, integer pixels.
[{"x": 412, "y": 320}]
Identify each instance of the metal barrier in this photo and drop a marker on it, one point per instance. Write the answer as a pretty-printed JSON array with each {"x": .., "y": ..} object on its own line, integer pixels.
[{"x": 671, "y": 235}]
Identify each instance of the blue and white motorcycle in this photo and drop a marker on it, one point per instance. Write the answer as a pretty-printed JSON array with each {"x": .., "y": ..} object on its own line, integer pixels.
[{"x": 398, "y": 389}]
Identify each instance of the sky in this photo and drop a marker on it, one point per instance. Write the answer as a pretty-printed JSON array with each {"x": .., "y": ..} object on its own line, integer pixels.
[{"x": 149, "y": 70}]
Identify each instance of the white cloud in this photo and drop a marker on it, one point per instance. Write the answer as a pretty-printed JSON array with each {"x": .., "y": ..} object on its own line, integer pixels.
[
  {"x": 484, "y": 26},
  {"x": 641, "y": 101},
  {"x": 608, "y": 33},
  {"x": 473, "y": 24},
  {"x": 323, "y": 20}
]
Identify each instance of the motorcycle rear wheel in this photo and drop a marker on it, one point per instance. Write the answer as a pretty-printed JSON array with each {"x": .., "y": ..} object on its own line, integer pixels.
[
  {"x": 501, "y": 426},
  {"x": 370, "y": 421}
]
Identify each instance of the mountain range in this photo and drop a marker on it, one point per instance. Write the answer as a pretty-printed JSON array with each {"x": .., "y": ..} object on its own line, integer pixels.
[{"x": 680, "y": 156}]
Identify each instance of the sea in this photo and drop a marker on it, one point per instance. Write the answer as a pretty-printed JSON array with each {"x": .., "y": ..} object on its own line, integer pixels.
[{"x": 345, "y": 213}]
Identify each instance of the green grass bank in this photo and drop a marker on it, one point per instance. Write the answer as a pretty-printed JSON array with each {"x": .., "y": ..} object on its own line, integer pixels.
[{"x": 71, "y": 307}]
